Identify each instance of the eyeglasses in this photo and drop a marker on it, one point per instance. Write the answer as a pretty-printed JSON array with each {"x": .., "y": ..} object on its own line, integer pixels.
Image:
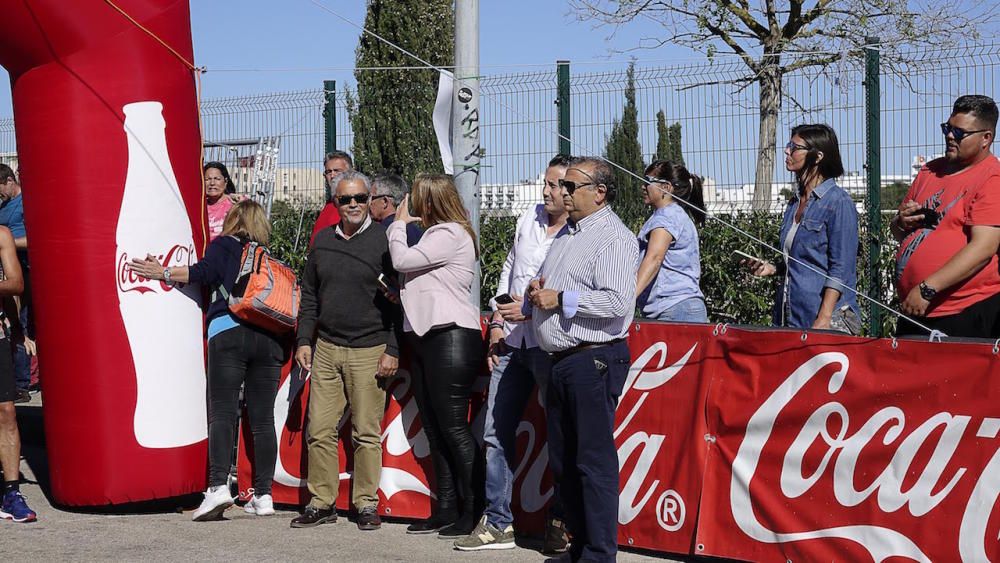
[
  {"x": 655, "y": 180},
  {"x": 957, "y": 132},
  {"x": 792, "y": 147},
  {"x": 346, "y": 199},
  {"x": 381, "y": 196},
  {"x": 571, "y": 186}
]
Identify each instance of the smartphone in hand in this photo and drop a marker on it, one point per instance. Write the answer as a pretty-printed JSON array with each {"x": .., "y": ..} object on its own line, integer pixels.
[
  {"x": 504, "y": 299},
  {"x": 742, "y": 254}
]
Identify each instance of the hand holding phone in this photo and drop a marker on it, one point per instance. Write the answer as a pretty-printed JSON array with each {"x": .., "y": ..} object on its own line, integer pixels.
[
  {"x": 503, "y": 299},
  {"x": 758, "y": 267}
]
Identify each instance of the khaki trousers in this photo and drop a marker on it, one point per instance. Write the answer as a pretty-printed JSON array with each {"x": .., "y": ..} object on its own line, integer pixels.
[{"x": 343, "y": 377}]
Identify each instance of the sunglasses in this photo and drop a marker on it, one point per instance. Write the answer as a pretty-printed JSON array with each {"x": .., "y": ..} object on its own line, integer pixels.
[
  {"x": 346, "y": 199},
  {"x": 792, "y": 147},
  {"x": 957, "y": 132},
  {"x": 655, "y": 180},
  {"x": 571, "y": 186}
]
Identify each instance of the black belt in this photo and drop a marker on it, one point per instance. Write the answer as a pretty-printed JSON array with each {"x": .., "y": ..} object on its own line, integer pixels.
[{"x": 563, "y": 354}]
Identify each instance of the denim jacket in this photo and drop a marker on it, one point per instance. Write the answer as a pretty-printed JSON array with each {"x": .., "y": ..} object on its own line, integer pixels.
[{"x": 827, "y": 240}]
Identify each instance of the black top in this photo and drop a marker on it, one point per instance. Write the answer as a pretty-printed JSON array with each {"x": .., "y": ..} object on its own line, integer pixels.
[
  {"x": 342, "y": 302},
  {"x": 219, "y": 266}
]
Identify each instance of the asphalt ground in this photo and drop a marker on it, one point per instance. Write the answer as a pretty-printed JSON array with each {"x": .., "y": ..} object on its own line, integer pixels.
[{"x": 165, "y": 532}]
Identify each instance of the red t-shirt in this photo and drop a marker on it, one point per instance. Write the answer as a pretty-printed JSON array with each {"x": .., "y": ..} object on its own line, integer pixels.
[
  {"x": 966, "y": 199},
  {"x": 327, "y": 217}
]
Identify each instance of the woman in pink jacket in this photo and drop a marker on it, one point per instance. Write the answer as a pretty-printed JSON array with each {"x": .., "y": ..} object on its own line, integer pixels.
[{"x": 443, "y": 330}]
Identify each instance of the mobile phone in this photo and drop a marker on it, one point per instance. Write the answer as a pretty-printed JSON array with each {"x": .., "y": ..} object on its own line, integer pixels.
[
  {"x": 383, "y": 281},
  {"x": 745, "y": 255},
  {"x": 931, "y": 217},
  {"x": 504, "y": 299}
]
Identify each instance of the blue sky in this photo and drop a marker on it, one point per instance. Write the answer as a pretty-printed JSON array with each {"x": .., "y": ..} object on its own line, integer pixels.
[
  {"x": 231, "y": 36},
  {"x": 265, "y": 34}
]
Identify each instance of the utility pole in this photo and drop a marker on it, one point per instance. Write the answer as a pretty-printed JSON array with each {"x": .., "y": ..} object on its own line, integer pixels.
[{"x": 465, "y": 146}]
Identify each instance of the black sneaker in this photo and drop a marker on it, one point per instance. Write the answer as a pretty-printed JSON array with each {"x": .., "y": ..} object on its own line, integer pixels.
[
  {"x": 462, "y": 527},
  {"x": 314, "y": 517},
  {"x": 556, "y": 537},
  {"x": 368, "y": 518},
  {"x": 432, "y": 524},
  {"x": 23, "y": 396}
]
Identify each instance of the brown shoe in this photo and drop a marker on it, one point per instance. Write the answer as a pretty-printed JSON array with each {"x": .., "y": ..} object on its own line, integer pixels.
[
  {"x": 556, "y": 537},
  {"x": 368, "y": 518},
  {"x": 314, "y": 517}
]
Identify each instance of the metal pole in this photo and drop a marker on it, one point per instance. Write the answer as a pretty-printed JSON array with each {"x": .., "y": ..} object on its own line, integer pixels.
[
  {"x": 330, "y": 115},
  {"x": 562, "y": 100},
  {"x": 874, "y": 168},
  {"x": 465, "y": 146},
  {"x": 329, "y": 126}
]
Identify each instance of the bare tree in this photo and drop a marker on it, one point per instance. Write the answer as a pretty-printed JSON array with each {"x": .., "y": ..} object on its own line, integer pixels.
[{"x": 777, "y": 37}]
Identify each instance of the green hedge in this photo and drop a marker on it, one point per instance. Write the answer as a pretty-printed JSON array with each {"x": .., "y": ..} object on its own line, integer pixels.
[{"x": 731, "y": 295}]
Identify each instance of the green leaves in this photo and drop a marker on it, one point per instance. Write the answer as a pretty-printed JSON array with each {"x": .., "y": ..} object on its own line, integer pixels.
[{"x": 391, "y": 113}]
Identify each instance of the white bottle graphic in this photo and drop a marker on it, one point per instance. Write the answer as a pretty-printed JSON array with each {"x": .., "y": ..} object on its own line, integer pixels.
[{"x": 164, "y": 325}]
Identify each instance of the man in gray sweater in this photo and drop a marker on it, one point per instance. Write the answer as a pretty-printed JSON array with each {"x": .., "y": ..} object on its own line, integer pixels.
[{"x": 345, "y": 313}]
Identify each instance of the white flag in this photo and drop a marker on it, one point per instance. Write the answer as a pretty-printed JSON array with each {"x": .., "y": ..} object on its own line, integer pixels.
[{"x": 442, "y": 119}]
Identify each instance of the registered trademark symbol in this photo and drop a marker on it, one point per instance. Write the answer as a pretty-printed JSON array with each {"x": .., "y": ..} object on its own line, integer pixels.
[{"x": 670, "y": 511}]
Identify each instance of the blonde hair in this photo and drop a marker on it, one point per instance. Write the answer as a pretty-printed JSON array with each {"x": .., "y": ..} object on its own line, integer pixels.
[
  {"x": 247, "y": 219},
  {"x": 435, "y": 200}
]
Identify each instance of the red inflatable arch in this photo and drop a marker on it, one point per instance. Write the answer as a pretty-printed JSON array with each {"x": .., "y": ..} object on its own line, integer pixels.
[{"x": 110, "y": 149}]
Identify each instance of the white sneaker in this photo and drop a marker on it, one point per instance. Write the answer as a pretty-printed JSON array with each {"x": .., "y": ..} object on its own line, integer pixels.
[
  {"x": 260, "y": 505},
  {"x": 217, "y": 500}
]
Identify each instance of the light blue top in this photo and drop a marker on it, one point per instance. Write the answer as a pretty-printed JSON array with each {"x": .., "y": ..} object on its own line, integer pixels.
[
  {"x": 221, "y": 323},
  {"x": 680, "y": 271}
]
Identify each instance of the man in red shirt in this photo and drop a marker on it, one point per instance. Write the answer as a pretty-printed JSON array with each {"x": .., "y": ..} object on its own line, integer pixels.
[
  {"x": 334, "y": 163},
  {"x": 949, "y": 231}
]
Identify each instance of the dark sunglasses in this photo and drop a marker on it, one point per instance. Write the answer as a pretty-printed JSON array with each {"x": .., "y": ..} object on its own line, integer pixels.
[
  {"x": 792, "y": 147},
  {"x": 571, "y": 186},
  {"x": 655, "y": 180},
  {"x": 346, "y": 199},
  {"x": 957, "y": 132}
]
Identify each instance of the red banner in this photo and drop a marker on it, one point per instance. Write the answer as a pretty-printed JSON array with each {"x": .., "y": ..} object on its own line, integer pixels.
[{"x": 757, "y": 445}]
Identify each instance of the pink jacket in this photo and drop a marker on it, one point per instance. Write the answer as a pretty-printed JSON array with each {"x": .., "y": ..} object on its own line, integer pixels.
[{"x": 437, "y": 277}]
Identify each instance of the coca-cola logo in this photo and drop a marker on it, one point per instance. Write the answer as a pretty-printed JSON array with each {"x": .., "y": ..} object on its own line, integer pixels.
[
  {"x": 829, "y": 434},
  {"x": 128, "y": 280},
  {"x": 647, "y": 445}
]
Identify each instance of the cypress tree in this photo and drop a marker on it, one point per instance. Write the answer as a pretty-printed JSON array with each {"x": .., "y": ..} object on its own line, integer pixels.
[
  {"x": 668, "y": 140},
  {"x": 675, "y": 153},
  {"x": 623, "y": 148},
  {"x": 391, "y": 114}
]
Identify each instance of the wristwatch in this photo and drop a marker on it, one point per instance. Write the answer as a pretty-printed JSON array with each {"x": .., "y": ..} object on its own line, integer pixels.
[
  {"x": 559, "y": 298},
  {"x": 166, "y": 275},
  {"x": 927, "y": 292}
]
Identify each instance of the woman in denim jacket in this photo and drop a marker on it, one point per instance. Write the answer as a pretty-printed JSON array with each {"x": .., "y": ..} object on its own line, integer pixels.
[{"x": 820, "y": 229}]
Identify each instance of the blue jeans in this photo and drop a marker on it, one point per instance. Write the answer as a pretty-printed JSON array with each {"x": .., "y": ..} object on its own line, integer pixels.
[
  {"x": 583, "y": 394},
  {"x": 691, "y": 310},
  {"x": 514, "y": 377},
  {"x": 22, "y": 361}
]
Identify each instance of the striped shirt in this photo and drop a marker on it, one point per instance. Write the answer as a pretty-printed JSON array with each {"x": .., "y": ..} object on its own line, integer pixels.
[{"x": 594, "y": 264}]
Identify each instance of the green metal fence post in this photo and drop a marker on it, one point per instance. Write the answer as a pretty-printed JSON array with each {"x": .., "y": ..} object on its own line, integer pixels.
[
  {"x": 874, "y": 168},
  {"x": 562, "y": 100},
  {"x": 330, "y": 114}
]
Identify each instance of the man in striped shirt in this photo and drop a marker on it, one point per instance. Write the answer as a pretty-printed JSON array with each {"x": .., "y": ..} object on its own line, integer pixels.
[{"x": 582, "y": 304}]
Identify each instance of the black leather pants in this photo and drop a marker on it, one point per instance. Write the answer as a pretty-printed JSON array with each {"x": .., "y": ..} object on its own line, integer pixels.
[{"x": 446, "y": 362}]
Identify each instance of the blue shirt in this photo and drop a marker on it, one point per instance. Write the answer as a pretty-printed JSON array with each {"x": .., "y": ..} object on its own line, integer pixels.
[
  {"x": 680, "y": 271},
  {"x": 827, "y": 240},
  {"x": 12, "y": 216}
]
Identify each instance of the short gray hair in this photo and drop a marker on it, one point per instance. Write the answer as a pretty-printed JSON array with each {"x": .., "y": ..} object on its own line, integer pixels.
[
  {"x": 392, "y": 185},
  {"x": 602, "y": 173},
  {"x": 351, "y": 175}
]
